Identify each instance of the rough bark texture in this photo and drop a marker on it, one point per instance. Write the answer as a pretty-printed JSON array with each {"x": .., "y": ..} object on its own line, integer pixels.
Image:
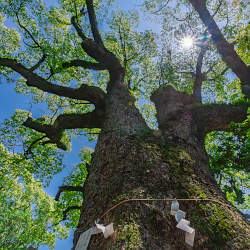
[{"x": 130, "y": 162}]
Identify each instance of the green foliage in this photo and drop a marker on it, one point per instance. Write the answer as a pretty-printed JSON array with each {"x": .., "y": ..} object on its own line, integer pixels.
[
  {"x": 45, "y": 160},
  {"x": 229, "y": 160},
  {"x": 27, "y": 162},
  {"x": 76, "y": 178},
  {"x": 134, "y": 49},
  {"x": 27, "y": 213}
]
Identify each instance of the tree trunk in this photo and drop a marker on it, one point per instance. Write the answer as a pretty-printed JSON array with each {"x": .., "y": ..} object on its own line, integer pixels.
[{"x": 131, "y": 162}]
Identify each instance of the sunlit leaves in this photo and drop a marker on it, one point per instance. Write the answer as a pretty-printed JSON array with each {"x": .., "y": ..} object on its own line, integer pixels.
[
  {"x": 229, "y": 160},
  {"x": 76, "y": 178},
  {"x": 27, "y": 213},
  {"x": 132, "y": 47},
  {"x": 10, "y": 39},
  {"x": 44, "y": 159}
]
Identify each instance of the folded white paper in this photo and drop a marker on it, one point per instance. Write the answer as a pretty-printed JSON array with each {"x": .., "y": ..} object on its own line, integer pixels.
[
  {"x": 107, "y": 231},
  {"x": 189, "y": 238},
  {"x": 180, "y": 215},
  {"x": 174, "y": 207},
  {"x": 84, "y": 238},
  {"x": 184, "y": 225}
]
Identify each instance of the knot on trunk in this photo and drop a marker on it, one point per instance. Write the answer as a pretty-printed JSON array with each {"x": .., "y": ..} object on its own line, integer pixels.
[{"x": 170, "y": 104}]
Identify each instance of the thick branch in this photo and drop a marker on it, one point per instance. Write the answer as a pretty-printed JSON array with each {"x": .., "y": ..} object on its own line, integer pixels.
[
  {"x": 93, "y": 23},
  {"x": 84, "y": 64},
  {"x": 65, "y": 212},
  {"x": 89, "y": 93},
  {"x": 226, "y": 51},
  {"x": 217, "y": 117},
  {"x": 99, "y": 53},
  {"x": 66, "y": 121},
  {"x": 89, "y": 120},
  {"x": 51, "y": 132},
  {"x": 67, "y": 188},
  {"x": 199, "y": 76}
]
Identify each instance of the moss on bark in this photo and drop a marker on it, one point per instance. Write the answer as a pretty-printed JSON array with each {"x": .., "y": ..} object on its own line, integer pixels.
[{"x": 132, "y": 167}]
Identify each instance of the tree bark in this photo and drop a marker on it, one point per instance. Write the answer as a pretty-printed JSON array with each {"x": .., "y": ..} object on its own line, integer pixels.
[{"x": 130, "y": 162}]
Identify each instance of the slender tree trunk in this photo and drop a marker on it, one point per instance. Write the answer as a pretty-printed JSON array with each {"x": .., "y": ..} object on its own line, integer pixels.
[{"x": 131, "y": 162}]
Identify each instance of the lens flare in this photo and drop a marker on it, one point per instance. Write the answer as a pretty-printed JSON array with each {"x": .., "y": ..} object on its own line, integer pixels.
[{"x": 187, "y": 42}]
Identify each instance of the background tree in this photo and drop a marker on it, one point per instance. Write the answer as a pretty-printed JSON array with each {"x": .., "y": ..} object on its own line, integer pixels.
[
  {"x": 29, "y": 216},
  {"x": 58, "y": 56}
]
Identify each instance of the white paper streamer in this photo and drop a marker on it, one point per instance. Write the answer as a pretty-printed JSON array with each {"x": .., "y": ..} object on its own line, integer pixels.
[
  {"x": 107, "y": 231},
  {"x": 174, "y": 207},
  {"x": 180, "y": 215},
  {"x": 189, "y": 238},
  {"x": 83, "y": 241},
  {"x": 182, "y": 223}
]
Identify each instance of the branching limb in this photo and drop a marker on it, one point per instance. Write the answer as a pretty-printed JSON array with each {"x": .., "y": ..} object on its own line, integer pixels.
[
  {"x": 89, "y": 93},
  {"x": 99, "y": 53},
  {"x": 217, "y": 117},
  {"x": 226, "y": 51},
  {"x": 28, "y": 151},
  {"x": 93, "y": 23},
  {"x": 37, "y": 45},
  {"x": 38, "y": 64},
  {"x": 51, "y": 132},
  {"x": 67, "y": 188},
  {"x": 66, "y": 121},
  {"x": 65, "y": 212},
  {"x": 84, "y": 64}
]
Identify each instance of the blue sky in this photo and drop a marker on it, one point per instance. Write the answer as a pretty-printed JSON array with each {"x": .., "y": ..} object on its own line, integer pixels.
[{"x": 10, "y": 101}]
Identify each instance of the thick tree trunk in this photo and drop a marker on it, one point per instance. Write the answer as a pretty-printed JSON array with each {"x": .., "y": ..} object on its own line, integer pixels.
[{"x": 130, "y": 162}]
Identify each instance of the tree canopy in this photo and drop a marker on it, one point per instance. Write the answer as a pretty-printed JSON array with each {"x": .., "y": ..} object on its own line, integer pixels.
[{"x": 57, "y": 56}]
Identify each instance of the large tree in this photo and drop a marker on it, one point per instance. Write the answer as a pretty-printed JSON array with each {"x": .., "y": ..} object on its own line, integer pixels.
[{"x": 131, "y": 161}]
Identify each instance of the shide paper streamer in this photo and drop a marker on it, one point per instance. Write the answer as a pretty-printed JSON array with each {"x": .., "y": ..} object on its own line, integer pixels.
[
  {"x": 84, "y": 239},
  {"x": 182, "y": 223},
  {"x": 107, "y": 231}
]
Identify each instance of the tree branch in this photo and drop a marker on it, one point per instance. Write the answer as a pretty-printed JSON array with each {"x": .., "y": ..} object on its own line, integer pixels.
[
  {"x": 28, "y": 32},
  {"x": 51, "y": 132},
  {"x": 67, "y": 188},
  {"x": 66, "y": 121},
  {"x": 99, "y": 53},
  {"x": 78, "y": 28},
  {"x": 93, "y": 23},
  {"x": 71, "y": 121},
  {"x": 84, "y": 64},
  {"x": 37, "y": 45},
  {"x": 217, "y": 117},
  {"x": 38, "y": 64},
  {"x": 199, "y": 76},
  {"x": 28, "y": 150},
  {"x": 65, "y": 212},
  {"x": 226, "y": 51},
  {"x": 89, "y": 93}
]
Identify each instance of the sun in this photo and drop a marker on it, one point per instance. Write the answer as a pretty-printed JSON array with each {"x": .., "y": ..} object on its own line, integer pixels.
[{"x": 187, "y": 42}]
